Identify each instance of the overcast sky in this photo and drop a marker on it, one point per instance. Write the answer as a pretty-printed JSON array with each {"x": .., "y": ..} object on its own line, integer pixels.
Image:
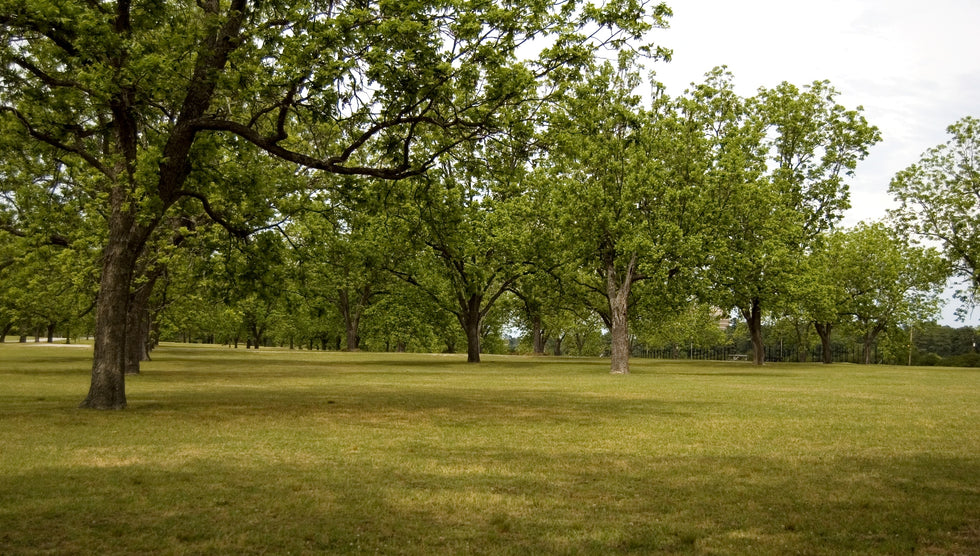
[{"x": 914, "y": 66}]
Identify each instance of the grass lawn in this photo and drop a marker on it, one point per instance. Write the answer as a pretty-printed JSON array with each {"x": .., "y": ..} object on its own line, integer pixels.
[{"x": 225, "y": 451}]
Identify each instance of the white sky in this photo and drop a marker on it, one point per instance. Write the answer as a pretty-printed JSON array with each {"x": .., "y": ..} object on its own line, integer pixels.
[{"x": 914, "y": 66}]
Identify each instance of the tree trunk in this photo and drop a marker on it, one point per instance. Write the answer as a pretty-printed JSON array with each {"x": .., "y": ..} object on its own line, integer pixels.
[
  {"x": 108, "y": 387},
  {"x": 256, "y": 336},
  {"x": 619, "y": 332},
  {"x": 135, "y": 341},
  {"x": 473, "y": 342},
  {"x": 869, "y": 340},
  {"x": 558, "y": 340},
  {"x": 537, "y": 335},
  {"x": 801, "y": 345},
  {"x": 350, "y": 320},
  {"x": 823, "y": 330},
  {"x": 353, "y": 340},
  {"x": 352, "y": 313},
  {"x": 753, "y": 318},
  {"x": 618, "y": 294},
  {"x": 470, "y": 318},
  {"x": 138, "y": 325}
]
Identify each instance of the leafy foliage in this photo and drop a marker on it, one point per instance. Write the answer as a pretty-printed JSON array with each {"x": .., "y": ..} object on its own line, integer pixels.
[{"x": 939, "y": 201}]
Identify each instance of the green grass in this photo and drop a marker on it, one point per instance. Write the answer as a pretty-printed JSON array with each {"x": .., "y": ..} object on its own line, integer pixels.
[{"x": 223, "y": 451}]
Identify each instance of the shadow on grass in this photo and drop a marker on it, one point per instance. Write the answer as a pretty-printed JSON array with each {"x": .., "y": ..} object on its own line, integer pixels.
[
  {"x": 750, "y": 374},
  {"x": 379, "y": 404},
  {"x": 518, "y": 500}
]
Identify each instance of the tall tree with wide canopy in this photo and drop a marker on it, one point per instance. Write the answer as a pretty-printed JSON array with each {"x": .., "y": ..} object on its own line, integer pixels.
[
  {"x": 809, "y": 144},
  {"x": 127, "y": 90},
  {"x": 638, "y": 189},
  {"x": 599, "y": 163},
  {"x": 939, "y": 201}
]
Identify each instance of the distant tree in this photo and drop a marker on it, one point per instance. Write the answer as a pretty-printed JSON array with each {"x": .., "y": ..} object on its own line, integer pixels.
[
  {"x": 886, "y": 282},
  {"x": 809, "y": 145},
  {"x": 406, "y": 319},
  {"x": 541, "y": 293},
  {"x": 939, "y": 201},
  {"x": 339, "y": 244},
  {"x": 48, "y": 248},
  {"x": 945, "y": 341},
  {"x": 819, "y": 296},
  {"x": 696, "y": 325},
  {"x": 471, "y": 223}
]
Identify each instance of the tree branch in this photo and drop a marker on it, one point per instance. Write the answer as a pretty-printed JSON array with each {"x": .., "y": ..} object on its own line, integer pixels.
[
  {"x": 56, "y": 142},
  {"x": 239, "y": 233},
  {"x": 58, "y": 35},
  {"x": 47, "y": 79},
  {"x": 52, "y": 239}
]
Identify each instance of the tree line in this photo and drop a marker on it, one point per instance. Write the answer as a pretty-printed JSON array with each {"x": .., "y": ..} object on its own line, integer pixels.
[{"x": 408, "y": 175}]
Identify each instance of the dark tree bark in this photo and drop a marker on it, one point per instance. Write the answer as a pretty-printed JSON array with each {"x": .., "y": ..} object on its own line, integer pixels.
[
  {"x": 108, "y": 386},
  {"x": 138, "y": 325},
  {"x": 257, "y": 332},
  {"x": 471, "y": 319},
  {"x": 823, "y": 330},
  {"x": 753, "y": 318},
  {"x": 558, "y": 340},
  {"x": 352, "y": 313},
  {"x": 869, "y": 341}
]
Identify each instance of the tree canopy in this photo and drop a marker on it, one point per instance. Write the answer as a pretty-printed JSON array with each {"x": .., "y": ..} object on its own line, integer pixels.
[
  {"x": 139, "y": 98},
  {"x": 939, "y": 201},
  {"x": 417, "y": 174}
]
